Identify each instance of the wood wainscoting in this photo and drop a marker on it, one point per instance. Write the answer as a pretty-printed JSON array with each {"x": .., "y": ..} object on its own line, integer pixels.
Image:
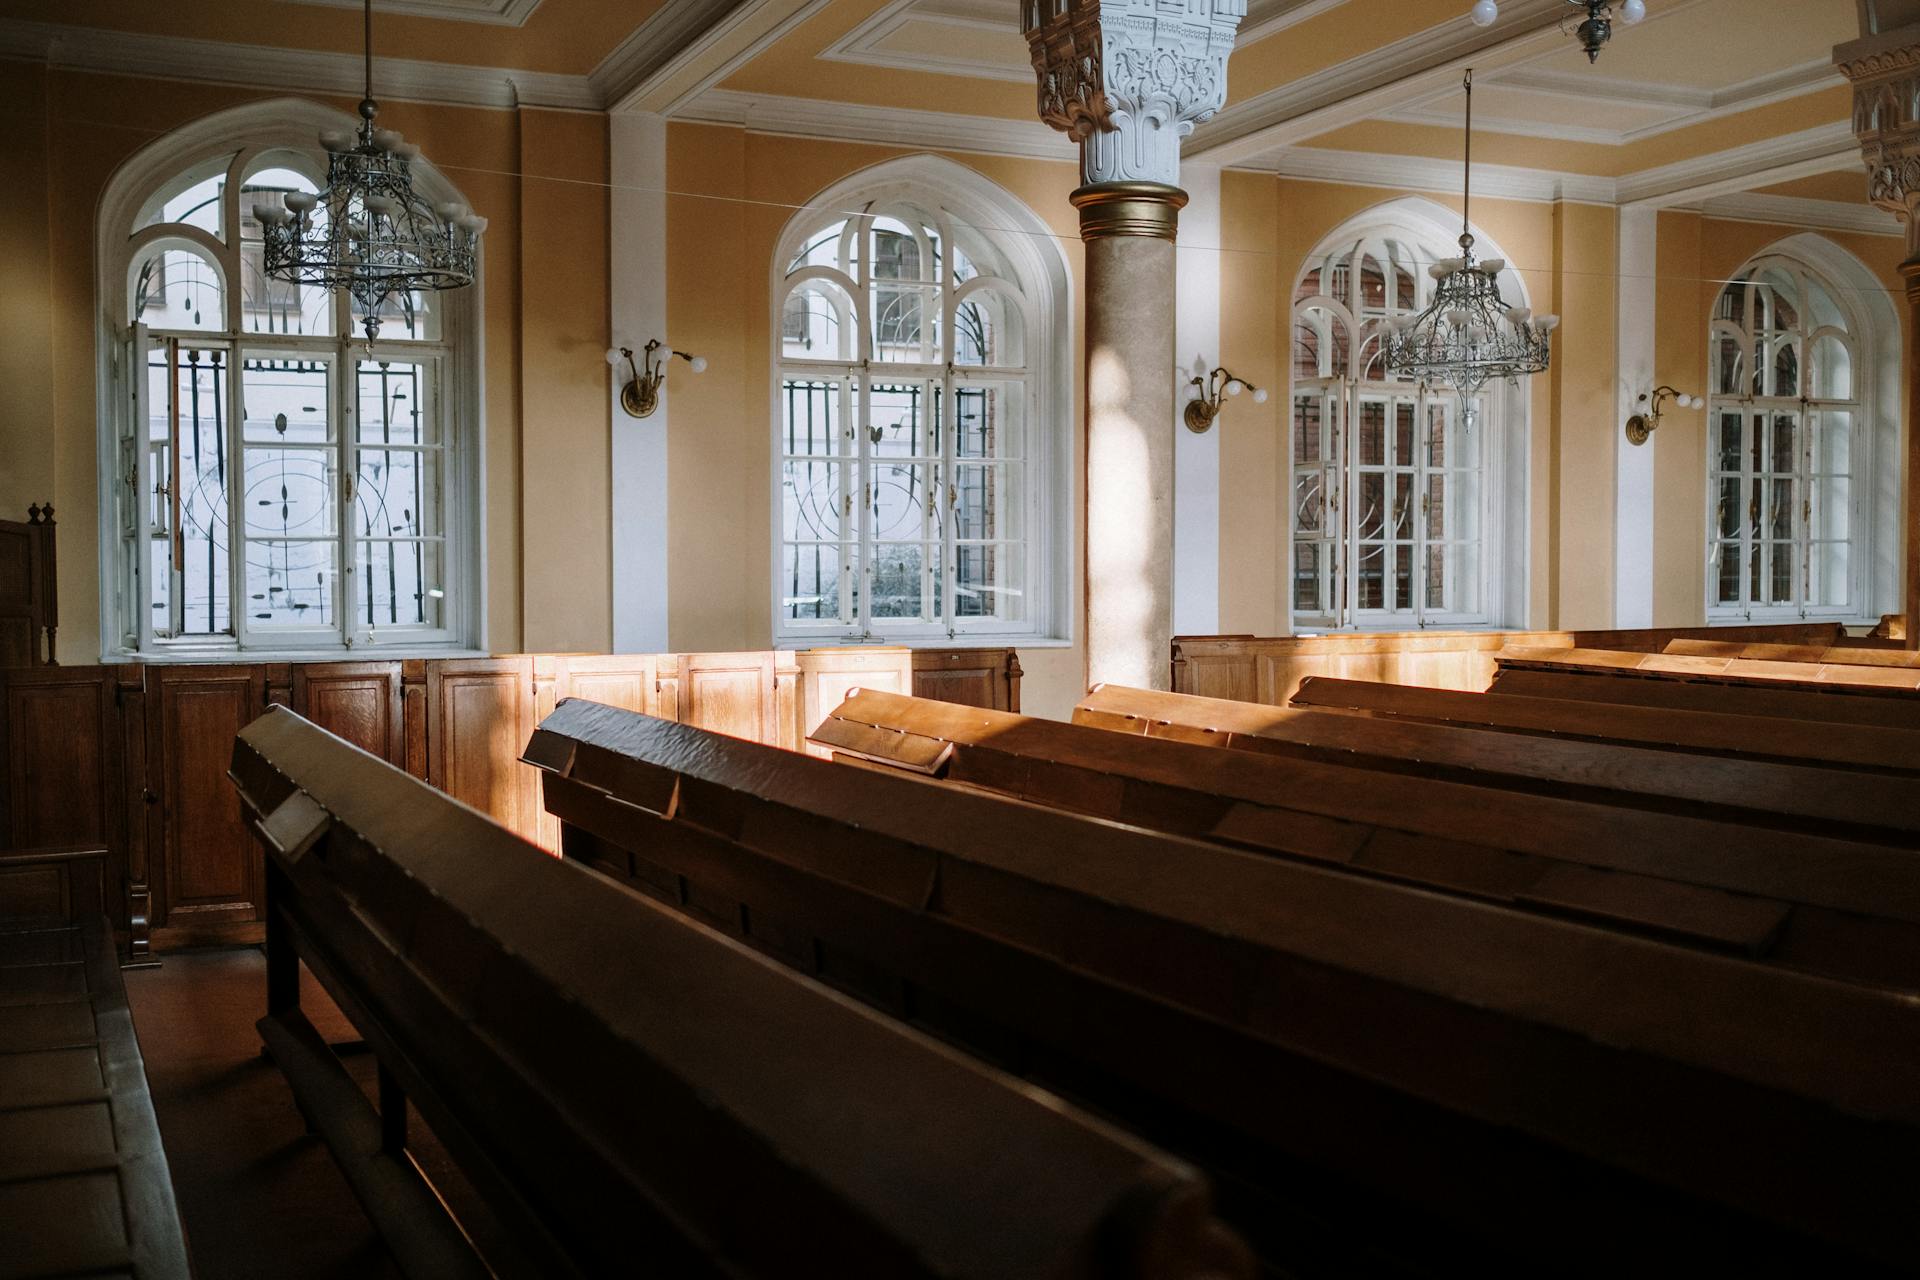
[
  {"x": 133, "y": 758},
  {"x": 1269, "y": 669}
]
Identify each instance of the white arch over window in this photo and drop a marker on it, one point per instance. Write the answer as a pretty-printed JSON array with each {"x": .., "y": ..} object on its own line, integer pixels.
[
  {"x": 922, "y": 402},
  {"x": 1803, "y": 486},
  {"x": 269, "y": 482},
  {"x": 1405, "y": 505}
]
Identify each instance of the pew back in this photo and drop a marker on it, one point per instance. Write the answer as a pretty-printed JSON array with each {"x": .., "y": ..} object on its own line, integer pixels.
[
  {"x": 1258, "y": 1013},
  {"x": 621, "y": 1084}
]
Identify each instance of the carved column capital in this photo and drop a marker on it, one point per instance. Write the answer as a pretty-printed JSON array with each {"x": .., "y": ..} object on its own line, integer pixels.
[
  {"x": 1884, "y": 70},
  {"x": 1127, "y": 79}
]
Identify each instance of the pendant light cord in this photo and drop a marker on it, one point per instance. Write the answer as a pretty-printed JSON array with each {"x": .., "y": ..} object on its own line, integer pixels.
[
  {"x": 369, "y": 49},
  {"x": 1466, "y": 198}
]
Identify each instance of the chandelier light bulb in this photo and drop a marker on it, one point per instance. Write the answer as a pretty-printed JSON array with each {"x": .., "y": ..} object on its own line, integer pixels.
[
  {"x": 1632, "y": 11},
  {"x": 1484, "y": 13}
]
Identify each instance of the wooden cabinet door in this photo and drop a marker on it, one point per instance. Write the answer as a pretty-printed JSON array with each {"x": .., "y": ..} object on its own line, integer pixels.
[
  {"x": 480, "y": 713},
  {"x": 358, "y": 701},
  {"x": 211, "y": 870},
  {"x": 730, "y": 693}
]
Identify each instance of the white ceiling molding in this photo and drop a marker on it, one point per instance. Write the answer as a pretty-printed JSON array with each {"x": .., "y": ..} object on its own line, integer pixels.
[
  {"x": 218, "y": 62},
  {"x": 688, "y": 46},
  {"x": 1825, "y": 148},
  {"x": 1794, "y": 211},
  {"x": 1421, "y": 173},
  {"x": 502, "y": 13},
  {"x": 864, "y": 44},
  {"x": 888, "y": 126},
  {"x": 1414, "y": 69},
  {"x": 1691, "y": 106}
]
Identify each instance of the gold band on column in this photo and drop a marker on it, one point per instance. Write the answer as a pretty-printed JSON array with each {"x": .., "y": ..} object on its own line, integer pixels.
[{"x": 1129, "y": 209}]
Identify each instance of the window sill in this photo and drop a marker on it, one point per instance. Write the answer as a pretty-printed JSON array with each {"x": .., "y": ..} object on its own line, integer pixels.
[{"x": 215, "y": 657}]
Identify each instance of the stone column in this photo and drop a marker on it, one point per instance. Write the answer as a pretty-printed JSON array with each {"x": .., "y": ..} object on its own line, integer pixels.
[
  {"x": 1127, "y": 79},
  {"x": 1884, "y": 68}
]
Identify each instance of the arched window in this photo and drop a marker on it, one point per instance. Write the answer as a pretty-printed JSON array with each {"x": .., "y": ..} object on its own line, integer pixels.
[
  {"x": 1794, "y": 399},
  {"x": 271, "y": 481},
  {"x": 1396, "y": 497},
  {"x": 920, "y": 399}
]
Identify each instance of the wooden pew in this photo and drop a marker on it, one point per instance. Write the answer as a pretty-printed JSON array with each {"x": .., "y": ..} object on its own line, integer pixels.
[
  {"x": 84, "y": 1187},
  {"x": 628, "y": 1091},
  {"x": 1767, "y": 793},
  {"x": 1840, "y": 909},
  {"x": 1842, "y": 655},
  {"x": 1375, "y": 1075},
  {"x": 1852, "y": 695},
  {"x": 1867, "y": 748}
]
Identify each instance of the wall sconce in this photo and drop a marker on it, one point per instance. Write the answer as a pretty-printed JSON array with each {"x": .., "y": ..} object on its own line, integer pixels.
[
  {"x": 1205, "y": 393},
  {"x": 640, "y": 394},
  {"x": 1642, "y": 425}
]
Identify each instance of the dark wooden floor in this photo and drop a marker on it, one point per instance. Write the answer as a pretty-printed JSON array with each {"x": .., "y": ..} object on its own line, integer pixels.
[{"x": 258, "y": 1195}]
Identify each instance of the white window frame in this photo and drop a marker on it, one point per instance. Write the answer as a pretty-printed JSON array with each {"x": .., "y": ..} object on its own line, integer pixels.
[
  {"x": 1872, "y": 336},
  {"x": 1040, "y": 280},
  {"x": 272, "y": 134},
  {"x": 1504, "y": 422}
]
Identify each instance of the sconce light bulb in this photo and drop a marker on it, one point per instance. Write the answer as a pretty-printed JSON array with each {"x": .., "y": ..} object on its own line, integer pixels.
[
  {"x": 614, "y": 357},
  {"x": 699, "y": 364},
  {"x": 1632, "y": 11},
  {"x": 1234, "y": 388},
  {"x": 1484, "y": 13},
  {"x": 1260, "y": 397}
]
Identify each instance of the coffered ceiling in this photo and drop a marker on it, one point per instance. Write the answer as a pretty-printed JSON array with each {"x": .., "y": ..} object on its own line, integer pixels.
[{"x": 1705, "y": 100}]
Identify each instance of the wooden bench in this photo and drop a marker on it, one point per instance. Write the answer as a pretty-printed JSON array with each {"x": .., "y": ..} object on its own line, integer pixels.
[
  {"x": 625, "y": 1089},
  {"x": 1789, "y": 796},
  {"x": 1842, "y": 909},
  {"x": 84, "y": 1186},
  {"x": 1374, "y": 1074},
  {"x": 1818, "y": 693},
  {"x": 1843, "y": 655},
  {"x": 1868, "y": 748}
]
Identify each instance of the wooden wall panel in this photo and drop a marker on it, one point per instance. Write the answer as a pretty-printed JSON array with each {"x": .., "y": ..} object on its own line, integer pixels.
[
  {"x": 480, "y": 715},
  {"x": 731, "y": 693},
  {"x": 28, "y": 613},
  {"x": 359, "y": 701},
  {"x": 627, "y": 681},
  {"x": 827, "y": 676},
  {"x": 212, "y": 871},
  {"x": 970, "y": 677}
]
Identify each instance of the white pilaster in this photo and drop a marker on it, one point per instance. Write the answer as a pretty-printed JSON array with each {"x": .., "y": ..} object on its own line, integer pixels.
[
  {"x": 1634, "y": 470},
  {"x": 1196, "y": 458},
  {"x": 638, "y": 144}
]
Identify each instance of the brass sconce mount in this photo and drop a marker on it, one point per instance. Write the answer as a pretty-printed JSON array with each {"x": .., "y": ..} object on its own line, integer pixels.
[
  {"x": 1206, "y": 394},
  {"x": 1642, "y": 425},
  {"x": 640, "y": 393}
]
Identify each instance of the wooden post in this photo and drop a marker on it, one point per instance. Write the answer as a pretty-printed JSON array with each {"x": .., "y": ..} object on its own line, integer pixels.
[{"x": 1910, "y": 517}]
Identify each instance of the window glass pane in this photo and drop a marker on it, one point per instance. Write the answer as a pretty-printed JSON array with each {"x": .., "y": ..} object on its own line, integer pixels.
[
  {"x": 1729, "y": 509},
  {"x": 987, "y": 330},
  {"x": 898, "y": 502},
  {"x": 1726, "y": 568},
  {"x": 988, "y": 501},
  {"x": 989, "y": 420},
  {"x": 1830, "y": 514},
  {"x": 1833, "y": 442},
  {"x": 1729, "y": 365},
  {"x": 268, "y": 304},
  {"x": 1309, "y": 577},
  {"x": 396, "y": 493},
  {"x": 285, "y": 400},
  {"x": 197, "y": 390},
  {"x": 178, "y": 289},
  {"x": 1309, "y": 502},
  {"x": 290, "y": 584},
  {"x": 1829, "y": 574},
  {"x": 1372, "y": 447},
  {"x": 906, "y": 323},
  {"x": 1309, "y": 427},
  {"x": 1830, "y": 371},
  {"x": 906, "y": 581},
  {"x": 400, "y": 584},
  {"x": 902, "y": 418},
  {"x": 817, "y": 323},
  {"x": 192, "y": 198},
  {"x": 1784, "y": 379},
  {"x": 396, "y": 402},
  {"x": 1373, "y": 504},
  {"x": 813, "y": 502},
  {"x": 1373, "y": 576},
  {"x": 813, "y": 416},
  {"x": 817, "y": 582},
  {"x": 988, "y": 582},
  {"x": 290, "y": 493}
]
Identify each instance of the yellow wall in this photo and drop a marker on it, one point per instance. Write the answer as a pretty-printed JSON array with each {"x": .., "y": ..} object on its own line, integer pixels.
[
  {"x": 546, "y": 327},
  {"x": 731, "y": 195},
  {"x": 1697, "y": 255}
]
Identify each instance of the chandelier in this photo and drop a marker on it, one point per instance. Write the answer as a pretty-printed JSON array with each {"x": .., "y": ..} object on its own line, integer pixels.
[
  {"x": 370, "y": 232},
  {"x": 1594, "y": 32},
  {"x": 1467, "y": 336}
]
